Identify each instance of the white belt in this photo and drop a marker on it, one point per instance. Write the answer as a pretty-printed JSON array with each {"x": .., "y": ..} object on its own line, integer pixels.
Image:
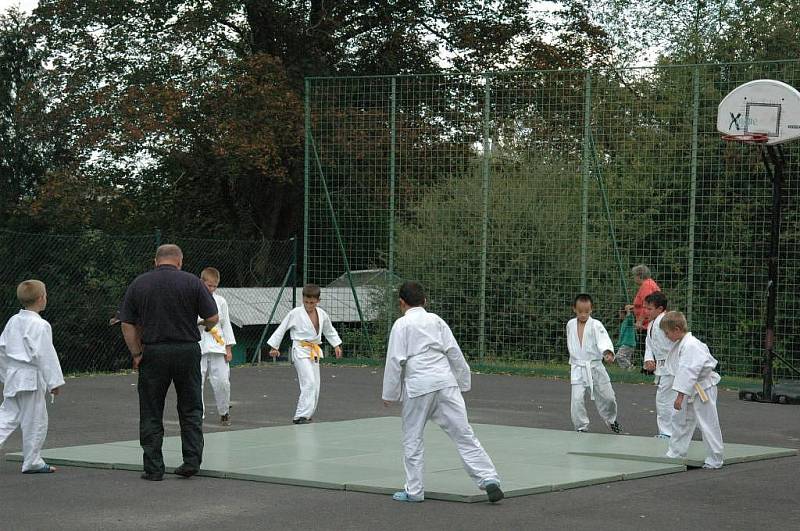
[{"x": 587, "y": 366}]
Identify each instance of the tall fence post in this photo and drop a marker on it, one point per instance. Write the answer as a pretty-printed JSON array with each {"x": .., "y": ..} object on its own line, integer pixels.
[
  {"x": 393, "y": 140},
  {"x": 487, "y": 147},
  {"x": 157, "y": 237},
  {"x": 693, "y": 190},
  {"x": 585, "y": 170},
  {"x": 306, "y": 178}
]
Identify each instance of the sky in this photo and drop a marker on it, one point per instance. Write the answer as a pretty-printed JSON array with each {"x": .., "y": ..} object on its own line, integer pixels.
[{"x": 26, "y": 5}]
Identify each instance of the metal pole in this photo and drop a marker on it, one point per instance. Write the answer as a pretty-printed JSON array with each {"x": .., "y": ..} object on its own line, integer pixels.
[
  {"x": 693, "y": 191},
  {"x": 306, "y": 178},
  {"x": 393, "y": 140},
  {"x": 587, "y": 132},
  {"x": 487, "y": 148},
  {"x": 776, "y": 158}
]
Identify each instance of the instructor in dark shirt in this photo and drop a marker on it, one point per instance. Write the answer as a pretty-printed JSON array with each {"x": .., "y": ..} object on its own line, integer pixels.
[{"x": 159, "y": 317}]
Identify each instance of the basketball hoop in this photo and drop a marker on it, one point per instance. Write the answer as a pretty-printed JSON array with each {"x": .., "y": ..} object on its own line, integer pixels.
[{"x": 747, "y": 138}]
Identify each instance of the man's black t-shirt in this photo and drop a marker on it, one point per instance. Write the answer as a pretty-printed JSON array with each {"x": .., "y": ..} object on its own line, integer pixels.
[{"x": 166, "y": 302}]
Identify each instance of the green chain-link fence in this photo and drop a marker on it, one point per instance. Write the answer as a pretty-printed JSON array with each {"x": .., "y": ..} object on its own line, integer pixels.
[
  {"x": 86, "y": 278},
  {"x": 489, "y": 189}
]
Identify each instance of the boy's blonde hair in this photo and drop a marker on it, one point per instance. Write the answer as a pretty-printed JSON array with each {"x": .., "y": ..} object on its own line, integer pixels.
[
  {"x": 29, "y": 291},
  {"x": 674, "y": 321},
  {"x": 312, "y": 291},
  {"x": 210, "y": 273}
]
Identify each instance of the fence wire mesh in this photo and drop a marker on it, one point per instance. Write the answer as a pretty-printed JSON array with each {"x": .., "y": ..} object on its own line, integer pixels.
[
  {"x": 506, "y": 194},
  {"x": 86, "y": 277}
]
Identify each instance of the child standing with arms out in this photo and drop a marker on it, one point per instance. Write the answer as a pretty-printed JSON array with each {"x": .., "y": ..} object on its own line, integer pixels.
[
  {"x": 426, "y": 369},
  {"x": 657, "y": 359},
  {"x": 29, "y": 369},
  {"x": 215, "y": 349},
  {"x": 696, "y": 385},
  {"x": 627, "y": 339},
  {"x": 589, "y": 345},
  {"x": 307, "y": 326}
]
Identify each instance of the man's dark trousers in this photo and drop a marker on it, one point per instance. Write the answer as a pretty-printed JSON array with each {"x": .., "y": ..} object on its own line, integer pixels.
[{"x": 162, "y": 364}]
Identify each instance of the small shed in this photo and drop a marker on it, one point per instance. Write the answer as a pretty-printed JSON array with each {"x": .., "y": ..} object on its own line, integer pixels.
[{"x": 250, "y": 309}]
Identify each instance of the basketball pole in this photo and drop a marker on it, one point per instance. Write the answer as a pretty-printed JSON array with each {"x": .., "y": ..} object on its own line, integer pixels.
[{"x": 774, "y": 161}]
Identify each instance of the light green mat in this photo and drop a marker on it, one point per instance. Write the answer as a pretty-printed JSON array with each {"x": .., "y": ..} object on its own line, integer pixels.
[{"x": 365, "y": 455}]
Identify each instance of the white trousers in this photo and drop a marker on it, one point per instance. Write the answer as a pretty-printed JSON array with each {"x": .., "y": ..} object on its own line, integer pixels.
[
  {"x": 665, "y": 400},
  {"x": 28, "y": 410},
  {"x": 213, "y": 365},
  {"x": 447, "y": 409},
  {"x": 693, "y": 414},
  {"x": 604, "y": 399},
  {"x": 308, "y": 379}
]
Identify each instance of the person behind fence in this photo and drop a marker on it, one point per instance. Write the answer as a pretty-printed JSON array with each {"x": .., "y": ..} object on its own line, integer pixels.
[
  {"x": 426, "y": 370},
  {"x": 159, "y": 323},
  {"x": 696, "y": 387},
  {"x": 29, "y": 369},
  {"x": 657, "y": 359},
  {"x": 215, "y": 349},
  {"x": 642, "y": 277},
  {"x": 307, "y": 325},
  {"x": 626, "y": 344},
  {"x": 589, "y": 346}
]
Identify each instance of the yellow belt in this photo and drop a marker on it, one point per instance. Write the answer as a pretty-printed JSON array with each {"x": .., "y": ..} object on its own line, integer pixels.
[{"x": 316, "y": 351}]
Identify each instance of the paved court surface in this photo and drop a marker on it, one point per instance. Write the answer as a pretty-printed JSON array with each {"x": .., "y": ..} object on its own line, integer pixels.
[{"x": 103, "y": 409}]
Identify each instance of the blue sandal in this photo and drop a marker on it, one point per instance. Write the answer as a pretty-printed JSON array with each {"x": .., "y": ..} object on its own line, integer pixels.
[{"x": 44, "y": 469}]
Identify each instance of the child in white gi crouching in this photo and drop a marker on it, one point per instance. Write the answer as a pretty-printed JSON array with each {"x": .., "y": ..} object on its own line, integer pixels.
[
  {"x": 29, "y": 369},
  {"x": 589, "y": 345},
  {"x": 696, "y": 385},
  {"x": 307, "y": 325},
  {"x": 426, "y": 369}
]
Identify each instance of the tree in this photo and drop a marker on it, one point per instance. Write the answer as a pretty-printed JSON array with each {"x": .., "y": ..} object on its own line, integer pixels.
[{"x": 23, "y": 153}]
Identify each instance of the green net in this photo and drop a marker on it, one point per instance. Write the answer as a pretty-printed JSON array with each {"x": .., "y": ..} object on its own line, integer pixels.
[
  {"x": 506, "y": 194},
  {"x": 86, "y": 277}
]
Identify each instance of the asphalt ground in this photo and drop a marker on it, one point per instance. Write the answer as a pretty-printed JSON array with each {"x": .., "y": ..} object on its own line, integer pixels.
[{"x": 97, "y": 409}]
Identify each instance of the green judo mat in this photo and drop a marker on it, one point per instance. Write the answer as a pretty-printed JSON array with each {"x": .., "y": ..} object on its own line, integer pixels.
[{"x": 365, "y": 455}]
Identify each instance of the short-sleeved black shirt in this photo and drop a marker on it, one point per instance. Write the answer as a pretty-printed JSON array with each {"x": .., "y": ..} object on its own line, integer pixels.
[{"x": 165, "y": 302}]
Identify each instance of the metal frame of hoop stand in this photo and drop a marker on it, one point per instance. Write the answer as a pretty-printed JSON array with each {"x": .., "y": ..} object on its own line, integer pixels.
[{"x": 774, "y": 161}]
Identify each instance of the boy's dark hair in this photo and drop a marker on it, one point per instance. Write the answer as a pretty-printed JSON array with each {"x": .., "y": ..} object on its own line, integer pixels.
[
  {"x": 657, "y": 299},
  {"x": 412, "y": 293},
  {"x": 583, "y": 297},
  {"x": 312, "y": 291}
]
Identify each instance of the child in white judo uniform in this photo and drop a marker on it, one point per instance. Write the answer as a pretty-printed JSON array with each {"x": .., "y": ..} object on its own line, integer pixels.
[
  {"x": 657, "y": 359},
  {"x": 215, "y": 347},
  {"x": 307, "y": 325},
  {"x": 29, "y": 369},
  {"x": 696, "y": 387},
  {"x": 426, "y": 369},
  {"x": 589, "y": 345}
]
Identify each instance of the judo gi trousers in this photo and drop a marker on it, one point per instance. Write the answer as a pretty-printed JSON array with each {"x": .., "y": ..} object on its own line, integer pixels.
[
  {"x": 213, "y": 365},
  {"x": 161, "y": 365},
  {"x": 28, "y": 410},
  {"x": 447, "y": 409},
  {"x": 695, "y": 413},
  {"x": 604, "y": 399},
  {"x": 665, "y": 400},
  {"x": 308, "y": 379}
]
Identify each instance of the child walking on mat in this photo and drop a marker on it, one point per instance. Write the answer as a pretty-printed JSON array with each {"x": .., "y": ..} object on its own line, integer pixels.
[
  {"x": 29, "y": 369},
  {"x": 589, "y": 345},
  {"x": 696, "y": 385},
  {"x": 307, "y": 325}
]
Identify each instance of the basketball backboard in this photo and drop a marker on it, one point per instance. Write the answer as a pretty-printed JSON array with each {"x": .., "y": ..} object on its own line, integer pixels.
[{"x": 763, "y": 106}]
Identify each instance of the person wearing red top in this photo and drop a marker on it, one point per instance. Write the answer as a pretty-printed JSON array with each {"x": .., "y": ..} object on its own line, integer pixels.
[{"x": 641, "y": 275}]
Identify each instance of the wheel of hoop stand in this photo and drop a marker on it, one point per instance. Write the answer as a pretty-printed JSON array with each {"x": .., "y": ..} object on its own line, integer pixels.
[{"x": 747, "y": 138}]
